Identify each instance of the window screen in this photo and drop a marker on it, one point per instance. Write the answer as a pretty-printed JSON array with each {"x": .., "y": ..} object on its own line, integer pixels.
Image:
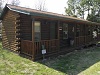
[{"x": 65, "y": 31}]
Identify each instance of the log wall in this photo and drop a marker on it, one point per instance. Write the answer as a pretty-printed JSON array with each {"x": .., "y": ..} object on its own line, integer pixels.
[
  {"x": 25, "y": 27},
  {"x": 9, "y": 29}
]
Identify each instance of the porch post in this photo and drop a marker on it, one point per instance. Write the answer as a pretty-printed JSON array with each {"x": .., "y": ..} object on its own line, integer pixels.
[
  {"x": 58, "y": 37},
  {"x": 33, "y": 56}
]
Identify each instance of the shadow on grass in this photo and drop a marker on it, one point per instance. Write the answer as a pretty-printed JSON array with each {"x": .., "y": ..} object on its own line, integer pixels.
[{"x": 75, "y": 62}]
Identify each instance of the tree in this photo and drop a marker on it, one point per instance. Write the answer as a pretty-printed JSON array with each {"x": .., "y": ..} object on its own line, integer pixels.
[
  {"x": 80, "y": 11},
  {"x": 95, "y": 9},
  {"x": 94, "y": 17},
  {"x": 81, "y": 7},
  {"x": 76, "y": 7},
  {"x": 15, "y": 2},
  {"x": 71, "y": 10},
  {"x": 1, "y": 3},
  {"x": 40, "y": 5}
]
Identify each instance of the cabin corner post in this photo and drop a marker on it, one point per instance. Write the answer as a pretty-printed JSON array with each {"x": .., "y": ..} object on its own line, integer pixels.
[
  {"x": 33, "y": 55},
  {"x": 18, "y": 30}
]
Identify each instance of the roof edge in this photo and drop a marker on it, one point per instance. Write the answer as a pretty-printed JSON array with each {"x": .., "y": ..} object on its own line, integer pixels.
[
  {"x": 5, "y": 10},
  {"x": 17, "y": 11}
]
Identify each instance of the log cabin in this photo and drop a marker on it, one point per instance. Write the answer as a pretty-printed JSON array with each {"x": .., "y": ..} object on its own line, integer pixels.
[{"x": 31, "y": 31}]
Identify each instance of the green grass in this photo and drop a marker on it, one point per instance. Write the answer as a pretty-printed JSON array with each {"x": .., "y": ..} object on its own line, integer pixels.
[{"x": 83, "y": 62}]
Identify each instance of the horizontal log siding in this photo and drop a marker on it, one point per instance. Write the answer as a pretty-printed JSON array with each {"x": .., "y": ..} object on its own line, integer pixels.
[
  {"x": 25, "y": 27},
  {"x": 9, "y": 29}
]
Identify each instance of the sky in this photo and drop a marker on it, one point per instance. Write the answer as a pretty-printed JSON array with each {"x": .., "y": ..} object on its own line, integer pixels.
[{"x": 56, "y": 6}]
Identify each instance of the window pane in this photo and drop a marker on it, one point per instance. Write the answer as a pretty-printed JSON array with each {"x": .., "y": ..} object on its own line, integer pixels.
[
  {"x": 37, "y": 26},
  {"x": 37, "y": 35}
]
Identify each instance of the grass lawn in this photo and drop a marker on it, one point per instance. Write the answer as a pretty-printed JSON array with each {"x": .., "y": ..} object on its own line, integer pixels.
[{"x": 83, "y": 62}]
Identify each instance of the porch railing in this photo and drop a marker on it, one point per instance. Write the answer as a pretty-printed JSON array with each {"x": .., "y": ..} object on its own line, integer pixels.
[
  {"x": 82, "y": 40},
  {"x": 35, "y": 49},
  {"x": 79, "y": 40},
  {"x": 51, "y": 46},
  {"x": 27, "y": 47}
]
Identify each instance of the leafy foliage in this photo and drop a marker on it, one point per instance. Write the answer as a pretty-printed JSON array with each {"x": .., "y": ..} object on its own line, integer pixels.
[
  {"x": 83, "y": 7},
  {"x": 71, "y": 10}
]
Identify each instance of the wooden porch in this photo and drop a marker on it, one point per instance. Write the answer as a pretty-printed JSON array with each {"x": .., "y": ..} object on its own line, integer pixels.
[{"x": 34, "y": 49}]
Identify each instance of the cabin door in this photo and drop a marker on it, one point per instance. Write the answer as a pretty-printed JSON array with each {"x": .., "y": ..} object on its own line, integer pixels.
[
  {"x": 79, "y": 35},
  {"x": 71, "y": 34}
]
